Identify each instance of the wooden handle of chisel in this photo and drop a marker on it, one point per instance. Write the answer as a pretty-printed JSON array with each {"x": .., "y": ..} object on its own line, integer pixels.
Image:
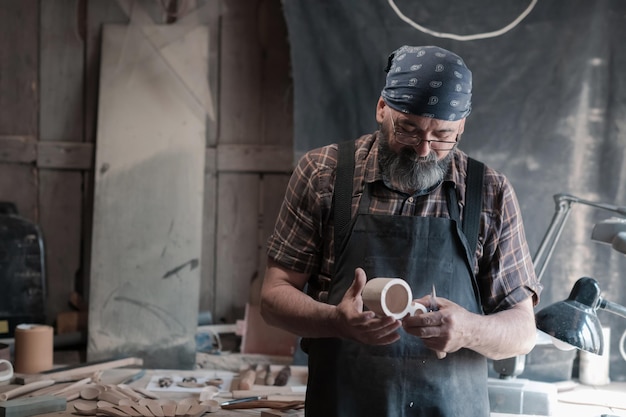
[
  {"x": 276, "y": 405},
  {"x": 269, "y": 377},
  {"x": 247, "y": 378},
  {"x": 282, "y": 377}
]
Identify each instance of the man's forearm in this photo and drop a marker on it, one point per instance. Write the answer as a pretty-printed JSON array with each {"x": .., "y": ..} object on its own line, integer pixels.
[
  {"x": 285, "y": 305},
  {"x": 505, "y": 334},
  {"x": 296, "y": 312}
]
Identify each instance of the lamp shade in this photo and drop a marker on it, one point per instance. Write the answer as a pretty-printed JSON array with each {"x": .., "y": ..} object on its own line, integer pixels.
[{"x": 574, "y": 320}]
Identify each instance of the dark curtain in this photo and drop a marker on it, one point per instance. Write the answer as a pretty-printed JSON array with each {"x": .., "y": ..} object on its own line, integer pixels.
[{"x": 549, "y": 107}]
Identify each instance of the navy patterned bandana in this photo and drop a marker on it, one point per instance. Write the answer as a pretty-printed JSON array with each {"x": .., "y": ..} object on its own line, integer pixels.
[{"x": 428, "y": 81}]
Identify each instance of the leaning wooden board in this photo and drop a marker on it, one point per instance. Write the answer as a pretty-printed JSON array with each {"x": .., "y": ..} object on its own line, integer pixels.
[{"x": 149, "y": 180}]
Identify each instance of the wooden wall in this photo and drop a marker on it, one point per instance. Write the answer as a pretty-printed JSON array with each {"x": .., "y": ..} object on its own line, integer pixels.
[{"x": 49, "y": 72}]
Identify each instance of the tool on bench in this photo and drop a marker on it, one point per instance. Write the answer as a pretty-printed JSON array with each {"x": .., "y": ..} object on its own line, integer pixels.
[
  {"x": 269, "y": 378},
  {"x": 134, "y": 377},
  {"x": 252, "y": 403},
  {"x": 247, "y": 378},
  {"x": 283, "y": 377},
  {"x": 241, "y": 400}
]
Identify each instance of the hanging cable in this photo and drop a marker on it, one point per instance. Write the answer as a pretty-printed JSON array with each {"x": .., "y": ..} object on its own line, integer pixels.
[{"x": 464, "y": 37}]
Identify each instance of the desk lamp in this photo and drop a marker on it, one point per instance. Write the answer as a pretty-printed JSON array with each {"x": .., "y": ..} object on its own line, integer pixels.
[
  {"x": 611, "y": 231},
  {"x": 574, "y": 320}
]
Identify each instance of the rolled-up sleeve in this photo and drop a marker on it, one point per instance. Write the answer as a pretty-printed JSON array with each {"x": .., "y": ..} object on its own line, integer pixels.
[{"x": 506, "y": 273}]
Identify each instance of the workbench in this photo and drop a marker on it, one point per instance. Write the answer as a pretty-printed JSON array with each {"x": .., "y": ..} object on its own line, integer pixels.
[{"x": 574, "y": 400}]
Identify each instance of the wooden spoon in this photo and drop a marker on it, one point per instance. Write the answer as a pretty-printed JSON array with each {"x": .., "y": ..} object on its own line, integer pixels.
[
  {"x": 153, "y": 406},
  {"x": 129, "y": 392},
  {"x": 90, "y": 392},
  {"x": 208, "y": 393},
  {"x": 141, "y": 409},
  {"x": 128, "y": 410},
  {"x": 169, "y": 407},
  {"x": 102, "y": 404},
  {"x": 85, "y": 409},
  {"x": 145, "y": 411},
  {"x": 111, "y": 396},
  {"x": 184, "y": 405},
  {"x": 112, "y": 411},
  {"x": 213, "y": 406}
]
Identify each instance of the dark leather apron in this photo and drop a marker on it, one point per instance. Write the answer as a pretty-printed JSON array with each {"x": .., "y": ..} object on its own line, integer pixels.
[{"x": 347, "y": 378}]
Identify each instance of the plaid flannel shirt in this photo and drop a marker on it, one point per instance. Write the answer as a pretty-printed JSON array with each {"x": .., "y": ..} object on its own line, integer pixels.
[{"x": 302, "y": 240}]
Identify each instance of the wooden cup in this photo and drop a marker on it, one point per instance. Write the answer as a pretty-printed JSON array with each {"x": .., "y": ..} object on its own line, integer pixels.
[{"x": 390, "y": 297}]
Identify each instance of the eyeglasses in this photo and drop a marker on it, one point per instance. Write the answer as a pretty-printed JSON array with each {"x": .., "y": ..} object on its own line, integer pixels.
[{"x": 409, "y": 139}]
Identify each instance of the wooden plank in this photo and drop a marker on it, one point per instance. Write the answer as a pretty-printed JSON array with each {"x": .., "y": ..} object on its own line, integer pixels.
[
  {"x": 61, "y": 75},
  {"x": 208, "y": 13},
  {"x": 18, "y": 184},
  {"x": 236, "y": 252},
  {"x": 65, "y": 155},
  {"x": 277, "y": 87},
  {"x": 240, "y": 74},
  {"x": 208, "y": 281},
  {"x": 60, "y": 221},
  {"x": 19, "y": 56},
  {"x": 254, "y": 158},
  {"x": 19, "y": 92},
  {"x": 273, "y": 188},
  {"x": 147, "y": 232},
  {"x": 61, "y": 119},
  {"x": 54, "y": 155},
  {"x": 259, "y": 337},
  {"x": 18, "y": 149},
  {"x": 98, "y": 12}
]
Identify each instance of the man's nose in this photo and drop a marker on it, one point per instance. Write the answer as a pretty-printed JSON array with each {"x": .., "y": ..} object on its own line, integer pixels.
[{"x": 422, "y": 149}]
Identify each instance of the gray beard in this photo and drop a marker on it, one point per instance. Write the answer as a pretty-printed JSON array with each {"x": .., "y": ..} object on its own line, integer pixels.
[{"x": 409, "y": 172}]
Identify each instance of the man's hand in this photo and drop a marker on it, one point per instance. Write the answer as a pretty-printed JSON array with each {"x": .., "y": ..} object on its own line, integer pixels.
[
  {"x": 504, "y": 334},
  {"x": 353, "y": 323},
  {"x": 443, "y": 330}
]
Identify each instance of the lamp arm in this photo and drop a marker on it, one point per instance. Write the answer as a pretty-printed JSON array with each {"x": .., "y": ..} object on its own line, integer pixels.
[
  {"x": 609, "y": 207},
  {"x": 563, "y": 205},
  {"x": 612, "y": 307},
  {"x": 552, "y": 235}
]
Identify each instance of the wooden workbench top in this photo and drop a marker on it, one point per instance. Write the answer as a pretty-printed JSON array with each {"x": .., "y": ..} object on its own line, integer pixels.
[
  {"x": 575, "y": 400},
  {"x": 294, "y": 390}
]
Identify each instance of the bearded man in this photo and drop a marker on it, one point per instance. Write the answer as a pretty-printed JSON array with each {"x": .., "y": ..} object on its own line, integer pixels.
[{"x": 403, "y": 202}]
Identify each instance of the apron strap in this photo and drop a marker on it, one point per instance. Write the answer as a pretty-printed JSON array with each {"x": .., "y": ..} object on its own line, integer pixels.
[
  {"x": 473, "y": 202},
  {"x": 471, "y": 217},
  {"x": 342, "y": 194}
]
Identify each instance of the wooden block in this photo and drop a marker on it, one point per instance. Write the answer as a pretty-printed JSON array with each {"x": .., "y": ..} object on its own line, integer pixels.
[
  {"x": 31, "y": 406},
  {"x": 260, "y": 337},
  {"x": 71, "y": 321}
]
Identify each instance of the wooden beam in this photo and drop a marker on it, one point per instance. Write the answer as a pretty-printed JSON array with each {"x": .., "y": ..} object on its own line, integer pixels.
[
  {"x": 65, "y": 155},
  {"x": 18, "y": 149},
  {"x": 25, "y": 149},
  {"x": 254, "y": 158},
  {"x": 79, "y": 155}
]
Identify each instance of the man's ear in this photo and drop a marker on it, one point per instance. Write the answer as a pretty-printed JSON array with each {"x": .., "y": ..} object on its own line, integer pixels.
[{"x": 380, "y": 110}]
